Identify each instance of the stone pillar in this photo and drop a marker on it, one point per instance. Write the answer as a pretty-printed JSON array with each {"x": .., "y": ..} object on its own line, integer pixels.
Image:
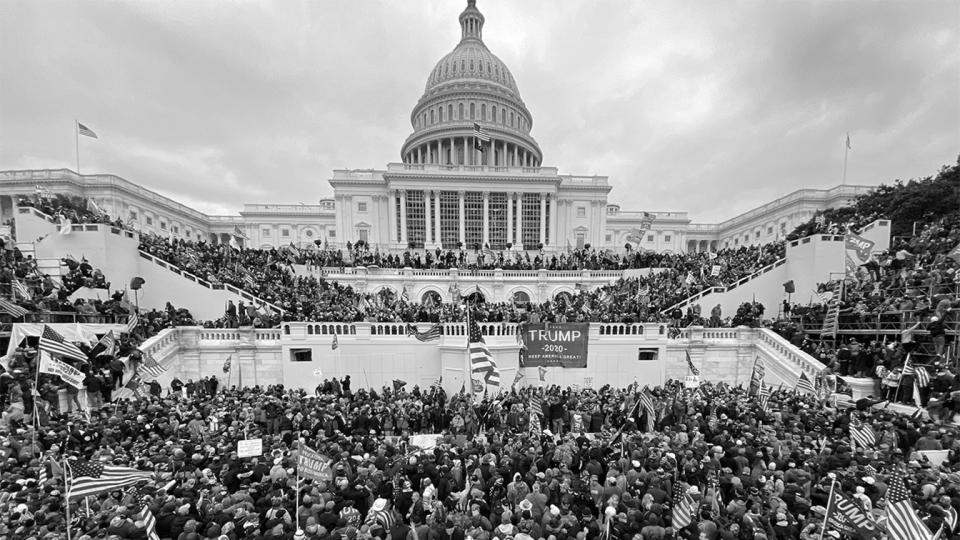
[
  {"x": 516, "y": 156},
  {"x": 519, "y": 242},
  {"x": 464, "y": 160},
  {"x": 510, "y": 217},
  {"x": 418, "y": 156},
  {"x": 428, "y": 240},
  {"x": 403, "y": 218},
  {"x": 543, "y": 218},
  {"x": 486, "y": 218},
  {"x": 437, "y": 235},
  {"x": 392, "y": 217},
  {"x": 463, "y": 221},
  {"x": 453, "y": 153}
]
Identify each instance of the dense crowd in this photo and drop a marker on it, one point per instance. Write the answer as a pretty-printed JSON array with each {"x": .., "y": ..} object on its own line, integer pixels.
[{"x": 592, "y": 466}]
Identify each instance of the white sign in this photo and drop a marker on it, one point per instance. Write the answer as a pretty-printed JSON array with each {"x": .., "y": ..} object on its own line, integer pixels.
[
  {"x": 69, "y": 374},
  {"x": 691, "y": 381},
  {"x": 936, "y": 457},
  {"x": 250, "y": 448},
  {"x": 425, "y": 441},
  {"x": 715, "y": 270},
  {"x": 318, "y": 373}
]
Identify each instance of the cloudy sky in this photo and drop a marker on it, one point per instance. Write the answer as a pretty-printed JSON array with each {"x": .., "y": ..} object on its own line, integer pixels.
[{"x": 710, "y": 107}]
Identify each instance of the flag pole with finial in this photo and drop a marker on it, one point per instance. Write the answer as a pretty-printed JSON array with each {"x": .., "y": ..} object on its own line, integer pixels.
[{"x": 846, "y": 152}]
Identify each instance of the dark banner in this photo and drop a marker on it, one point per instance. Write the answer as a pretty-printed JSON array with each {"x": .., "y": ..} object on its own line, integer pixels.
[
  {"x": 845, "y": 515},
  {"x": 554, "y": 345}
]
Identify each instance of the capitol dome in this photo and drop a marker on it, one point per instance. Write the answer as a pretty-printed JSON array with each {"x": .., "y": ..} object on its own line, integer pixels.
[{"x": 470, "y": 97}]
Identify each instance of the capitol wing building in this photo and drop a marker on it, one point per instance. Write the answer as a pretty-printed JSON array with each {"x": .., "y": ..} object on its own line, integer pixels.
[{"x": 471, "y": 176}]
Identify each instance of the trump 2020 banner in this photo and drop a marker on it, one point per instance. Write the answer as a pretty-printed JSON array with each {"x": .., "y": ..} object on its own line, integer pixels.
[
  {"x": 857, "y": 250},
  {"x": 555, "y": 345}
]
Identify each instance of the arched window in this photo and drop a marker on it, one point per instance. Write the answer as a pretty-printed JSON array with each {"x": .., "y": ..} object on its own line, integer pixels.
[
  {"x": 431, "y": 116},
  {"x": 460, "y": 111},
  {"x": 503, "y": 116},
  {"x": 493, "y": 111},
  {"x": 449, "y": 113},
  {"x": 511, "y": 118},
  {"x": 483, "y": 112},
  {"x": 521, "y": 297},
  {"x": 472, "y": 111}
]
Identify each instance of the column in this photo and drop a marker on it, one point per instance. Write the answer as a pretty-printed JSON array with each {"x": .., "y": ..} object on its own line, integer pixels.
[
  {"x": 486, "y": 218},
  {"x": 510, "y": 218},
  {"x": 391, "y": 217},
  {"x": 465, "y": 156},
  {"x": 453, "y": 156},
  {"x": 463, "y": 221},
  {"x": 418, "y": 156},
  {"x": 543, "y": 218},
  {"x": 520, "y": 220},
  {"x": 403, "y": 218},
  {"x": 516, "y": 158},
  {"x": 428, "y": 240},
  {"x": 555, "y": 223},
  {"x": 437, "y": 235}
]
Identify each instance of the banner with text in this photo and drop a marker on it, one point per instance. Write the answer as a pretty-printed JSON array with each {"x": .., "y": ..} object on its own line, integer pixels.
[
  {"x": 70, "y": 375},
  {"x": 314, "y": 465},
  {"x": 857, "y": 251},
  {"x": 555, "y": 345}
]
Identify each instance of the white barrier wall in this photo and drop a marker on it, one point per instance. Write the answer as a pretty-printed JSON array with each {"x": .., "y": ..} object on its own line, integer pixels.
[
  {"x": 376, "y": 354},
  {"x": 32, "y": 224}
]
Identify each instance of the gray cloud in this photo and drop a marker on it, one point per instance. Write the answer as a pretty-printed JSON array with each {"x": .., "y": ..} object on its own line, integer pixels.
[{"x": 710, "y": 107}]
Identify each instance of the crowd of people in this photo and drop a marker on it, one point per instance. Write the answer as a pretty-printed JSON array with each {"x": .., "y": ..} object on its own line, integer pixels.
[{"x": 586, "y": 464}]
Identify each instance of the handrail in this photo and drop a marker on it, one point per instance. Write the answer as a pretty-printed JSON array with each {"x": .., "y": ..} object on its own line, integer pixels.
[
  {"x": 725, "y": 288},
  {"x": 206, "y": 284}
]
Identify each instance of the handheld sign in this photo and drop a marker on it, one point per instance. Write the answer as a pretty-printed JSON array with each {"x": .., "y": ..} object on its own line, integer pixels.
[
  {"x": 691, "y": 381},
  {"x": 250, "y": 448}
]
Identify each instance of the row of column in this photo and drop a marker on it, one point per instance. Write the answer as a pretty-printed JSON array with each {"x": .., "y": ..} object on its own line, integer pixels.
[
  {"x": 514, "y": 233},
  {"x": 497, "y": 153}
]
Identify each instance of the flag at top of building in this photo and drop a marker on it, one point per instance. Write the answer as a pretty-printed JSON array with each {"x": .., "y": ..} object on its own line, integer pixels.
[
  {"x": 85, "y": 131},
  {"x": 481, "y": 361},
  {"x": 480, "y": 135}
]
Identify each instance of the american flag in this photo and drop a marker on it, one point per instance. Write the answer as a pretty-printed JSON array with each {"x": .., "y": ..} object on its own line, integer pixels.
[
  {"x": 89, "y": 478},
  {"x": 693, "y": 368},
  {"x": 480, "y": 133},
  {"x": 903, "y": 523},
  {"x": 543, "y": 373},
  {"x": 21, "y": 289},
  {"x": 9, "y": 307},
  {"x": 764, "y": 396},
  {"x": 908, "y": 368},
  {"x": 132, "y": 322},
  {"x": 85, "y": 131},
  {"x": 151, "y": 367},
  {"x": 804, "y": 384},
  {"x": 432, "y": 333},
  {"x": 683, "y": 507},
  {"x": 536, "y": 429},
  {"x": 226, "y": 363},
  {"x": 105, "y": 346},
  {"x": 53, "y": 343},
  {"x": 145, "y": 514},
  {"x": 862, "y": 434},
  {"x": 756, "y": 377},
  {"x": 646, "y": 401},
  {"x": 481, "y": 361},
  {"x": 536, "y": 404},
  {"x": 384, "y": 517},
  {"x": 922, "y": 376},
  {"x": 951, "y": 519},
  {"x": 820, "y": 220},
  {"x": 134, "y": 387},
  {"x": 335, "y": 344}
]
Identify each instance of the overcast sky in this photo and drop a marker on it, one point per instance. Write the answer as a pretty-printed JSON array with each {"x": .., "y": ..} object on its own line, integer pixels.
[{"x": 704, "y": 106}]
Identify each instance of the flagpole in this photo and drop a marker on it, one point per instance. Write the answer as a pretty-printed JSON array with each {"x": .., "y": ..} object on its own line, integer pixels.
[
  {"x": 846, "y": 152},
  {"x": 76, "y": 140},
  {"x": 66, "y": 495},
  {"x": 826, "y": 515}
]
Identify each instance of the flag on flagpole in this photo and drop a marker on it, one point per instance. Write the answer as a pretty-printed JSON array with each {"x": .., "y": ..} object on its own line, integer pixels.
[
  {"x": 903, "y": 523},
  {"x": 143, "y": 512},
  {"x": 335, "y": 344},
  {"x": 848, "y": 142},
  {"x": 543, "y": 373},
  {"x": 481, "y": 361},
  {"x": 481, "y": 136},
  {"x": 226, "y": 364},
  {"x": 921, "y": 376},
  {"x": 518, "y": 377},
  {"x": 133, "y": 321},
  {"x": 151, "y": 367},
  {"x": 683, "y": 507},
  {"x": 765, "y": 393},
  {"x": 105, "y": 346},
  {"x": 85, "y": 131},
  {"x": 22, "y": 290},
  {"x": 756, "y": 376},
  {"x": 233, "y": 243},
  {"x": 12, "y": 309},
  {"x": 804, "y": 384},
  {"x": 53, "y": 343},
  {"x": 90, "y": 477}
]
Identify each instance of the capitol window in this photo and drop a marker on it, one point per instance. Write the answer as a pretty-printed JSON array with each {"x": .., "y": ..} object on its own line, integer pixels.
[
  {"x": 266, "y": 232},
  {"x": 361, "y": 206},
  {"x": 472, "y": 111},
  {"x": 163, "y": 225},
  {"x": 649, "y": 238},
  {"x": 133, "y": 215},
  {"x": 483, "y": 112},
  {"x": 308, "y": 233},
  {"x": 581, "y": 211},
  {"x": 285, "y": 233},
  {"x": 332, "y": 233},
  {"x": 149, "y": 220},
  {"x": 666, "y": 238},
  {"x": 460, "y": 111}
]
